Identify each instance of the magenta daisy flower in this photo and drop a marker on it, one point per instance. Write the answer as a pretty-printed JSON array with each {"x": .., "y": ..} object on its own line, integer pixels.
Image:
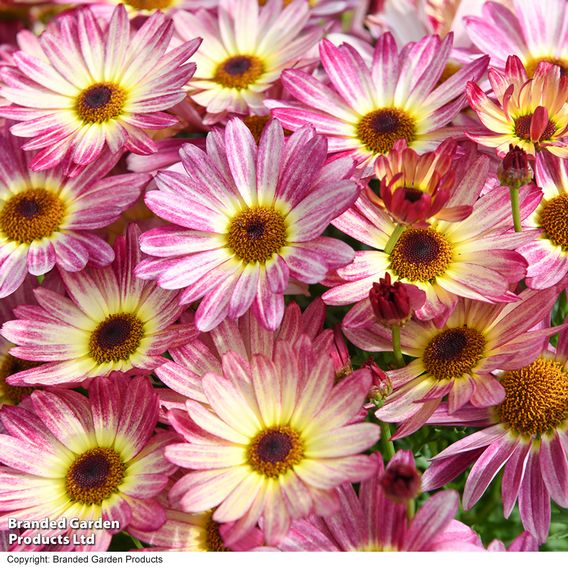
[
  {"x": 274, "y": 439},
  {"x": 371, "y": 522},
  {"x": 96, "y": 87},
  {"x": 527, "y": 435},
  {"x": 245, "y": 48},
  {"x": 48, "y": 219},
  {"x": 530, "y": 113},
  {"x": 68, "y": 456},
  {"x": 366, "y": 110},
  {"x": 473, "y": 258},
  {"x": 455, "y": 359},
  {"x": 111, "y": 321},
  {"x": 533, "y": 31},
  {"x": 547, "y": 255},
  {"x": 248, "y": 219}
]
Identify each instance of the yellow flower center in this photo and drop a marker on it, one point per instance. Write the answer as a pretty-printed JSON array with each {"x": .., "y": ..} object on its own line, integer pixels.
[
  {"x": 453, "y": 353},
  {"x": 531, "y": 65},
  {"x": 450, "y": 69},
  {"x": 100, "y": 102},
  {"x": 380, "y": 129},
  {"x": 275, "y": 451},
  {"x": 239, "y": 71},
  {"x": 116, "y": 338},
  {"x": 11, "y": 365},
  {"x": 536, "y": 399},
  {"x": 149, "y": 4},
  {"x": 32, "y": 215},
  {"x": 94, "y": 476},
  {"x": 523, "y": 129},
  {"x": 213, "y": 540},
  {"x": 420, "y": 255},
  {"x": 553, "y": 219},
  {"x": 256, "y": 234}
]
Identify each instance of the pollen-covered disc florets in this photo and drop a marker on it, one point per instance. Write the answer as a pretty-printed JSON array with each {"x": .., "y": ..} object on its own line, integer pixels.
[
  {"x": 380, "y": 129},
  {"x": 239, "y": 71},
  {"x": 420, "y": 255},
  {"x": 256, "y": 234},
  {"x": 454, "y": 352},
  {"x": 275, "y": 451},
  {"x": 32, "y": 215},
  {"x": 94, "y": 476},
  {"x": 536, "y": 400},
  {"x": 100, "y": 103}
]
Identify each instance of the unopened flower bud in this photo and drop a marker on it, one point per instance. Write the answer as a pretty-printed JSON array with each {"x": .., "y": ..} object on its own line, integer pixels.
[
  {"x": 381, "y": 386},
  {"x": 515, "y": 170},
  {"x": 394, "y": 304},
  {"x": 401, "y": 480},
  {"x": 340, "y": 355}
]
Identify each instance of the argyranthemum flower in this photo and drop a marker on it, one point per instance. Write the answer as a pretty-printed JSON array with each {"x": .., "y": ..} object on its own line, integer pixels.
[
  {"x": 111, "y": 321},
  {"x": 547, "y": 255},
  {"x": 48, "y": 219},
  {"x": 365, "y": 111},
  {"x": 9, "y": 364},
  {"x": 532, "y": 113},
  {"x": 194, "y": 532},
  {"x": 371, "y": 522},
  {"x": 245, "y": 336},
  {"x": 533, "y": 31},
  {"x": 473, "y": 258},
  {"x": 274, "y": 439},
  {"x": 245, "y": 48},
  {"x": 526, "y": 435},
  {"x": 414, "y": 188},
  {"x": 68, "y": 456},
  {"x": 456, "y": 359},
  {"x": 250, "y": 218},
  {"x": 101, "y": 87}
]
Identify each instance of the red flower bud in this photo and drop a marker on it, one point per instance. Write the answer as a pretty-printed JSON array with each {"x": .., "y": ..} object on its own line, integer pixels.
[
  {"x": 515, "y": 170},
  {"x": 401, "y": 480},
  {"x": 393, "y": 304},
  {"x": 381, "y": 386}
]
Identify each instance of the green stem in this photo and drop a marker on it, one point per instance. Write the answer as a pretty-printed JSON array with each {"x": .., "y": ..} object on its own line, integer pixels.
[
  {"x": 386, "y": 444},
  {"x": 399, "y": 229},
  {"x": 136, "y": 542},
  {"x": 396, "y": 346},
  {"x": 514, "y": 193}
]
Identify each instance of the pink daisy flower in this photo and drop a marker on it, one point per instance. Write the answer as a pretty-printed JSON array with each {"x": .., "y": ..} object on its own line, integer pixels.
[
  {"x": 110, "y": 321},
  {"x": 531, "y": 113},
  {"x": 244, "y": 336},
  {"x": 245, "y": 48},
  {"x": 96, "y": 88},
  {"x": 371, "y": 522},
  {"x": 48, "y": 219},
  {"x": 366, "y": 110},
  {"x": 248, "y": 219},
  {"x": 69, "y": 456},
  {"x": 274, "y": 440},
  {"x": 533, "y": 31},
  {"x": 527, "y": 435},
  {"x": 547, "y": 255},
  {"x": 455, "y": 359},
  {"x": 474, "y": 258}
]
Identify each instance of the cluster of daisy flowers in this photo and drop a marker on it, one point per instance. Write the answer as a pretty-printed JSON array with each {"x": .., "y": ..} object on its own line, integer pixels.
[{"x": 283, "y": 275}]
